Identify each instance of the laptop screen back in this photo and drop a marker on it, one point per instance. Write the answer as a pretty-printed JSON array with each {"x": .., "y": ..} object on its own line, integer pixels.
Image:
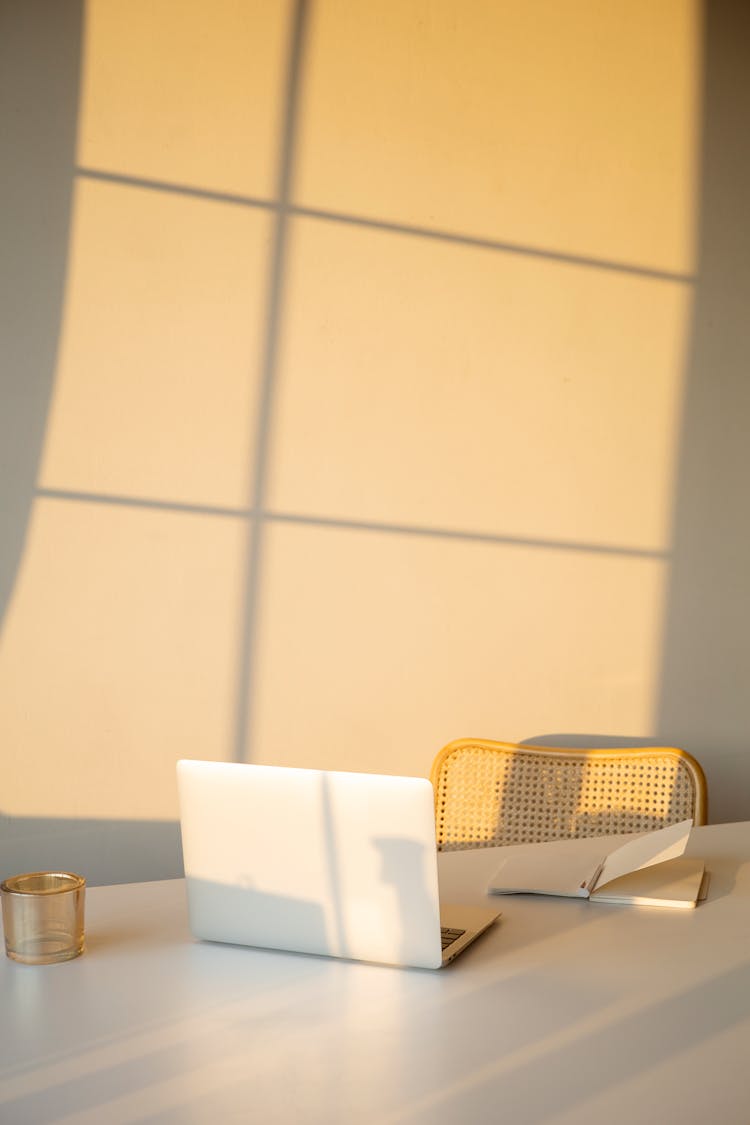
[{"x": 327, "y": 862}]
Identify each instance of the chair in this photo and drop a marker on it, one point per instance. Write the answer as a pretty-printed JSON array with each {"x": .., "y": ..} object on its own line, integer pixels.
[{"x": 492, "y": 793}]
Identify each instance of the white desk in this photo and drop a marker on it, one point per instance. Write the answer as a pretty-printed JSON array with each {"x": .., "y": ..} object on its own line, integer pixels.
[{"x": 566, "y": 1012}]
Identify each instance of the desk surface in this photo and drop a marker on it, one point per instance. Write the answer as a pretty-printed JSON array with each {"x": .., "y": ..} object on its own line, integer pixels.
[{"x": 565, "y": 1012}]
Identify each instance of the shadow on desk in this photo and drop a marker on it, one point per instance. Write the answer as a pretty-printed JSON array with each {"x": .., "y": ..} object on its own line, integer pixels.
[{"x": 590, "y": 1057}]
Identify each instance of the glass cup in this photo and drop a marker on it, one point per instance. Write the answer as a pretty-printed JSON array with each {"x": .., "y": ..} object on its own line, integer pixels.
[{"x": 43, "y": 916}]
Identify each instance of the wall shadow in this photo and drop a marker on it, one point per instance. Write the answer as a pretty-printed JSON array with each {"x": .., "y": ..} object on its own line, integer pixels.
[
  {"x": 706, "y": 653},
  {"x": 104, "y": 851},
  {"x": 40, "y": 61},
  {"x": 246, "y": 688}
]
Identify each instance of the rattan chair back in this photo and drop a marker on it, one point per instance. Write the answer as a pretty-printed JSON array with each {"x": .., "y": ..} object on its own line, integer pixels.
[{"x": 491, "y": 793}]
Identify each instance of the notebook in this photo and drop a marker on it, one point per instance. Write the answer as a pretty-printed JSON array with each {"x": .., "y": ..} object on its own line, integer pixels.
[
  {"x": 312, "y": 861},
  {"x": 650, "y": 870}
]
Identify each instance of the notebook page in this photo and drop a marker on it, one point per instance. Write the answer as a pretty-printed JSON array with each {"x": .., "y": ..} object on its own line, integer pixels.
[
  {"x": 544, "y": 870},
  {"x": 654, "y": 847}
]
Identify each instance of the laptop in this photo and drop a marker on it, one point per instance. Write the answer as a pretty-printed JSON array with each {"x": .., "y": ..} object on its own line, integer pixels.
[{"x": 313, "y": 861}]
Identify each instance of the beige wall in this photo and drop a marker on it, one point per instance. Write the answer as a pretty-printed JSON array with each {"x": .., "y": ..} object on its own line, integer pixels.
[{"x": 364, "y": 390}]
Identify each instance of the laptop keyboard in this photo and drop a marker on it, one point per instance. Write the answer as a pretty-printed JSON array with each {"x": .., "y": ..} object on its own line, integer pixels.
[{"x": 448, "y": 936}]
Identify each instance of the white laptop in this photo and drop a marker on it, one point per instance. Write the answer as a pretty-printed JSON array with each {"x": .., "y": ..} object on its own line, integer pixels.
[{"x": 312, "y": 861}]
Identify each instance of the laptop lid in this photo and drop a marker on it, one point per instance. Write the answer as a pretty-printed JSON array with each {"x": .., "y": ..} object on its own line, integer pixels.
[{"x": 326, "y": 862}]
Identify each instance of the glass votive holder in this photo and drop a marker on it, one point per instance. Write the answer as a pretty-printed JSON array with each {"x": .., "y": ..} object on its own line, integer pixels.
[{"x": 43, "y": 916}]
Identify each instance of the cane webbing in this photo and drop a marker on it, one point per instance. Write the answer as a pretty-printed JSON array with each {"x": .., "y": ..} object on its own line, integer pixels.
[{"x": 492, "y": 793}]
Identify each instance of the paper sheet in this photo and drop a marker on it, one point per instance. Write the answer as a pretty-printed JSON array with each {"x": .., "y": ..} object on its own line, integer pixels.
[{"x": 655, "y": 847}]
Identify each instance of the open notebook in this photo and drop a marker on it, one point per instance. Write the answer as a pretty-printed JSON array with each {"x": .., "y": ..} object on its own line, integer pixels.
[{"x": 650, "y": 870}]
